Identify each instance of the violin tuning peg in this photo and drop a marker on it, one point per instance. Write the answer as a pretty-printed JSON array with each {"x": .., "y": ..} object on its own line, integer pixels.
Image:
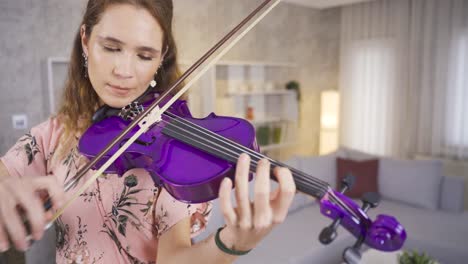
[
  {"x": 351, "y": 255},
  {"x": 370, "y": 200},
  {"x": 327, "y": 235},
  {"x": 349, "y": 180}
]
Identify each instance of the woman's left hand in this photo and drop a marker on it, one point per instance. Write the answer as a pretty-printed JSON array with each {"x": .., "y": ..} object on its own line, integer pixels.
[{"x": 250, "y": 221}]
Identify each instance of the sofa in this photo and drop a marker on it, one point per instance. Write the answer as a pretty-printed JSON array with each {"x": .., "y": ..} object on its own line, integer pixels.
[{"x": 428, "y": 204}]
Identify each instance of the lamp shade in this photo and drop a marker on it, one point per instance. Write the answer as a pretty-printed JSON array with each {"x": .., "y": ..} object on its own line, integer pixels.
[
  {"x": 329, "y": 121},
  {"x": 329, "y": 113}
]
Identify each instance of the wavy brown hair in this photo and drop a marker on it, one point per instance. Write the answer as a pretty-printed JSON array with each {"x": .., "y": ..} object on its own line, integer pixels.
[{"x": 79, "y": 100}]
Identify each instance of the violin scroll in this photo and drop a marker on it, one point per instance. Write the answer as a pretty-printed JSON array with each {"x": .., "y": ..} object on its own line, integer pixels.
[{"x": 384, "y": 233}]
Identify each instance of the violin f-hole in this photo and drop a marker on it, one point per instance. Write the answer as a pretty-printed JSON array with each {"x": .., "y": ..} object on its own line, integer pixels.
[{"x": 141, "y": 142}]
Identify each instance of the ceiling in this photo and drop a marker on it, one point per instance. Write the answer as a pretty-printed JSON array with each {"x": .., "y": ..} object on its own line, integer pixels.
[{"x": 320, "y": 4}]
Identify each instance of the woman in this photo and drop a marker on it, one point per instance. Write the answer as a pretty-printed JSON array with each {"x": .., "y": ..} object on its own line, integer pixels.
[{"x": 122, "y": 48}]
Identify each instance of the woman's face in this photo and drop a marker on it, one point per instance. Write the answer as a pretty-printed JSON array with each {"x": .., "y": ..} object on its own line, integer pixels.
[{"x": 124, "y": 53}]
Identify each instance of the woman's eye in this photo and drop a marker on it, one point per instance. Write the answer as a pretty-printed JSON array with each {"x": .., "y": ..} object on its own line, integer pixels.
[
  {"x": 111, "y": 49},
  {"x": 145, "y": 57}
]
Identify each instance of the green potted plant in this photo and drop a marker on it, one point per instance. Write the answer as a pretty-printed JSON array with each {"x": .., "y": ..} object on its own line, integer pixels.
[
  {"x": 294, "y": 85},
  {"x": 414, "y": 257}
]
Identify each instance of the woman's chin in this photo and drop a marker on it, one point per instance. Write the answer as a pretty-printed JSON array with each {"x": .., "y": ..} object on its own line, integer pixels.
[{"x": 117, "y": 102}]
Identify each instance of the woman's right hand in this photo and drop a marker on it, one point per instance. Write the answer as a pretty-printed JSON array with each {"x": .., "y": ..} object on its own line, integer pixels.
[{"x": 23, "y": 194}]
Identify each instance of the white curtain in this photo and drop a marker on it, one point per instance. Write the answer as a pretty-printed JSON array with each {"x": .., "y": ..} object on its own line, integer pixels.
[{"x": 404, "y": 77}]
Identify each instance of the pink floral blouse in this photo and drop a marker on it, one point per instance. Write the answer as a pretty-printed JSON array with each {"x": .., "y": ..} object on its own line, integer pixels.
[{"x": 117, "y": 219}]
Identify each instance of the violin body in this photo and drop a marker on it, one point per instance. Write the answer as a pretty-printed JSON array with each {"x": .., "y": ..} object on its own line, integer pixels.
[{"x": 186, "y": 172}]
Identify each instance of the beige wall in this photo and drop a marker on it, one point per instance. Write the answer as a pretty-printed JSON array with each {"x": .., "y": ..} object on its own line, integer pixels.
[
  {"x": 32, "y": 31},
  {"x": 306, "y": 37}
]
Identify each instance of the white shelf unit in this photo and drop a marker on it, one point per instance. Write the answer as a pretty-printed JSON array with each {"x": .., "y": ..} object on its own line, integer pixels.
[{"x": 232, "y": 87}]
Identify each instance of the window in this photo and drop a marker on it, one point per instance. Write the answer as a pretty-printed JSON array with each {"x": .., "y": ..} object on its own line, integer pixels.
[
  {"x": 368, "y": 95},
  {"x": 457, "y": 96}
]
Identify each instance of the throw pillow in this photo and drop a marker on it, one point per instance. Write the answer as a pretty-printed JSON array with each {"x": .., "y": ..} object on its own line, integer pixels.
[
  {"x": 365, "y": 173},
  {"x": 416, "y": 182}
]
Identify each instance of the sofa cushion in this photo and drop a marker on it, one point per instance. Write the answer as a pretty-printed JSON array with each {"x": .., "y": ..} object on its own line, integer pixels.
[
  {"x": 416, "y": 182},
  {"x": 321, "y": 167},
  {"x": 365, "y": 173},
  {"x": 452, "y": 194}
]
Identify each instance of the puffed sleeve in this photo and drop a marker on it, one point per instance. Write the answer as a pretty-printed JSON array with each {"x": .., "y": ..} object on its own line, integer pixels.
[
  {"x": 168, "y": 211},
  {"x": 29, "y": 156}
]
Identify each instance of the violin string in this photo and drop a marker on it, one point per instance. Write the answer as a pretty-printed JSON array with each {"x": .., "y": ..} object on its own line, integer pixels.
[
  {"x": 342, "y": 204},
  {"x": 255, "y": 163},
  {"x": 240, "y": 147},
  {"x": 233, "y": 145},
  {"x": 232, "y": 155},
  {"x": 332, "y": 197},
  {"x": 211, "y": 147},
  {"x": 301, "y": 180},
  {"x": 299, "y": 174}
]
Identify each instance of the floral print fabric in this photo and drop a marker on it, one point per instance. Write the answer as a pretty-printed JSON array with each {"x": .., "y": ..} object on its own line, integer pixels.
[{"x": 117, "y": 219}]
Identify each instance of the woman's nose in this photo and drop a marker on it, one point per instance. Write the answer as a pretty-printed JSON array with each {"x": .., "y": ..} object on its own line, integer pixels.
[{"x": 123, "y": 66}]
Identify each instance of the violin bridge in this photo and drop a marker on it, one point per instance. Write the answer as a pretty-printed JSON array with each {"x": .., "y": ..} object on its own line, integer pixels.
[{"x": 154, "y": 116}]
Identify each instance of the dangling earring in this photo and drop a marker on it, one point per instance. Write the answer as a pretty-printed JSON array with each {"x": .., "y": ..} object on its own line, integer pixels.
[
  {"x": 85, "y": 65},
  {"x": 153, "y": 83}
]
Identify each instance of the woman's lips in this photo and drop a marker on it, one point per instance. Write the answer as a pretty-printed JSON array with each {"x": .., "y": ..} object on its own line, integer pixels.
[{"x": 117, "y": 90}]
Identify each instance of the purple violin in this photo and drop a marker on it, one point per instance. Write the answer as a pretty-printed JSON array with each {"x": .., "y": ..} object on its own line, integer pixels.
[{"x": 208, "y": 148}]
